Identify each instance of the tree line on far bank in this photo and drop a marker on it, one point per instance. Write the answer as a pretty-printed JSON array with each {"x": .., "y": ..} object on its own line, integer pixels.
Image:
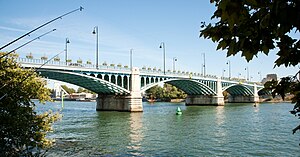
[{"x": 165, "y": 93}]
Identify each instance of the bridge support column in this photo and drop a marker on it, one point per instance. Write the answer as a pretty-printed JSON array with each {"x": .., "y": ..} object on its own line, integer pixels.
[
  {"x": 217, "y": 100},
  {"x": 135, "y": 103},
  {"x": 129, "y": 103},
  {"x": 245, "y": 99}
]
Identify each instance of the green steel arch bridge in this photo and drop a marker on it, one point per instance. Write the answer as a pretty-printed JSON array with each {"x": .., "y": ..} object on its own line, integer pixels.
[{"x": 121, "y": 89}]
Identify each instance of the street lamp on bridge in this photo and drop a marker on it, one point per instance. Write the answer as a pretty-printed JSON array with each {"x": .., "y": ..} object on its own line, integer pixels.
[
  {"x": 95, "y": 31},
  {"x": 229, "y": 69},
  {"x": 223, "y": 71},
  {"x": 66, "y": 55},
  {"x": 162, "y": 45},
  {"x": 174, "y": 60},
  {"x": 131, "y": 58},
  {"x": 203, "y": 65},
  {"x": 259, "y": 73},
  {"x": 247, "y": 73}
]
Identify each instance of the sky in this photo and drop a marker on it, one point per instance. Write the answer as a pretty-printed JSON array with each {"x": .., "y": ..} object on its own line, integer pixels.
[{"x": 140, "y": 25}]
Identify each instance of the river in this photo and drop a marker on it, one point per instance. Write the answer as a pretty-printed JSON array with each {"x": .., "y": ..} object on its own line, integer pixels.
[{"x": 230, "y": 130}]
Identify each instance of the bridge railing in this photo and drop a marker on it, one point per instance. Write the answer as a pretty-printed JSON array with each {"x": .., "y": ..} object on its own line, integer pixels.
[
  {"x": 70, "y": 64},
  {"x": 176, "y": 73}
]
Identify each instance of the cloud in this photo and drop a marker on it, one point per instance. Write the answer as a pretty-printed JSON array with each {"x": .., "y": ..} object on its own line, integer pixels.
[{"x": 12, "y": 29}]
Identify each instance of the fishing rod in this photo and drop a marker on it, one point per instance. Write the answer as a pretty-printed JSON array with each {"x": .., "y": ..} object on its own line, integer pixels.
[
  {"x": 60, "y": 17},
  {"x": 35, "y": 70},
  {"x": 27, "y": 43}
]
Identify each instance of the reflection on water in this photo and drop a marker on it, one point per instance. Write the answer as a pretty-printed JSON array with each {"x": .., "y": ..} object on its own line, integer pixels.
[
  {"x": 220, "y": 116},
  {"x": 230, "y": 130},
  {"x": 136, "y": 134},
  {"x": 220, "y": 129}
]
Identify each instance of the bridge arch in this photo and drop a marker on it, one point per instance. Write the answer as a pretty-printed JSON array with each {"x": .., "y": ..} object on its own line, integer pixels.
[
  {"x": 264, "y": 91},
  {"x": 190, "y": 87},
  {"x": 94, "y": 84},
  {"x": 238, "y": 89}
]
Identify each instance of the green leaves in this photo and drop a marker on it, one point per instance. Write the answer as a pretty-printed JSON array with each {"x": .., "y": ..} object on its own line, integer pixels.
[
  {"x": 23, "y": 131},
  {"x": 166, "y": 93},
  {"x": 257, "y": 26}
]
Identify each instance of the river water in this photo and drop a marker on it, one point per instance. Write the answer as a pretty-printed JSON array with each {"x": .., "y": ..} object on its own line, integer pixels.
[{"x": 230, "y": 130}]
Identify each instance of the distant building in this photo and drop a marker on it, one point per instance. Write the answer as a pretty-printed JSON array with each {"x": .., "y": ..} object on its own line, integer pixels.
[
  {"x": 269, "y": 78},
  {"x": 82, "y": 96}
]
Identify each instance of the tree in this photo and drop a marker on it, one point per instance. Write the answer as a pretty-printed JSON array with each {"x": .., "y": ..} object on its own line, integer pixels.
[
  {"x": 80, "y": 90},
  {"x": 68, "y": 90},
  {"x": 23, "y": 130},
  {"x": 254, "y": 26},
  {"x": 165, "y": 93}
]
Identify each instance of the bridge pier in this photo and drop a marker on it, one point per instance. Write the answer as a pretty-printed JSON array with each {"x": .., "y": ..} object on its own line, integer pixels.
[
  {"x": 243, "y": 99},
  {"x": 129, "y": 103},
  {"x": 198, "y": 100},
  {"x": 119, "y": 103},
  {"x": 216, "y": 100}
]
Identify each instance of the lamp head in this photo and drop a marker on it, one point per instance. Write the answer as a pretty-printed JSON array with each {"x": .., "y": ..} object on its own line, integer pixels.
[
  {"x": 81, "y": 8},
  {"x": 162, "y": 44},
  {"x": 95, "y": 31}
]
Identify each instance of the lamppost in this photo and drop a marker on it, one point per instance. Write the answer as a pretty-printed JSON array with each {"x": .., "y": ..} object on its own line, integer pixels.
[
  {"x": 66, "y": 56},
  {"x": 239, "y": 74},
  {"x": 162, "y": 45},
  {"x": 204, "y": 66},
  {"x": 131, "y": 58},
  {"x": 229, "y": 69},
  {"x": 223, "y": 71},
  {"x": 95, "y": 31},
  {"x": 174, "y": 60},
  {"x": 247, "y": 73},
  {"x": 259, "y": 73}
]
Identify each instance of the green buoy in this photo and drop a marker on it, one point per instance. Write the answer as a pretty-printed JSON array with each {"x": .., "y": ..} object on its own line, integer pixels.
[{"x": 178, "y": 111}]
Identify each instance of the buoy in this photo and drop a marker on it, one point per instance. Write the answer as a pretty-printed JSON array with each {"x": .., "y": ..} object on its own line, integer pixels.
[{"x": 178, "y": 111}]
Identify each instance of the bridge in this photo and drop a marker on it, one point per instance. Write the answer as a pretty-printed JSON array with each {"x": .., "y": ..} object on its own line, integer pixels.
[{"x": 121, "y": 88}]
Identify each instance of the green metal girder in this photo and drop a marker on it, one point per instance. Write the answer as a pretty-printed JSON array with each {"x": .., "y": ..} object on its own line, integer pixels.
[
  {"x": 192, "y": 87},
  {"x": 239, "y": 89},
  {"x": 94, "y": 84}
]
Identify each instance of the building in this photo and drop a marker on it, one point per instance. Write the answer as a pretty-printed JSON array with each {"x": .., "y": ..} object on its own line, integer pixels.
[{"x": 269, "y": 78}]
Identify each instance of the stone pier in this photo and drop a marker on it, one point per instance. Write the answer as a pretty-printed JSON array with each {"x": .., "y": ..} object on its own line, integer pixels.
[
  {"x": 214, "y": 100},
  {"x": 128, "y": 103},
  {"x": 245, "y": 99}
]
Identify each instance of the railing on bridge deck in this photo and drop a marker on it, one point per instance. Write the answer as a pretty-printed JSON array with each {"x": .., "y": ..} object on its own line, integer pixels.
[{"x": 125, "y": 68}]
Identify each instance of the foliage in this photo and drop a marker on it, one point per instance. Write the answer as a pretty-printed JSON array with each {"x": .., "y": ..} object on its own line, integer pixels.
[
  {"x": 166, "y": 93},
  {"x": 68, "y": 90},
  {"x": 23, "y": 130},
  {"x": 253, "y": 26},
  {"x": 80, "y": 90}
]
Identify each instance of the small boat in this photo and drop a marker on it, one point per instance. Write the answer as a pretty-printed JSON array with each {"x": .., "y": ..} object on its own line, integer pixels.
[{"x": 178, "y": 111}]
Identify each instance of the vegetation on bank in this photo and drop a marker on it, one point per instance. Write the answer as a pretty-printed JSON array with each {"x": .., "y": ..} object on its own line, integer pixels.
[
  {"x": 165, "y": 93},
  {"x": 23, "y": 130},
  {"x": 79, "y": 90}
]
